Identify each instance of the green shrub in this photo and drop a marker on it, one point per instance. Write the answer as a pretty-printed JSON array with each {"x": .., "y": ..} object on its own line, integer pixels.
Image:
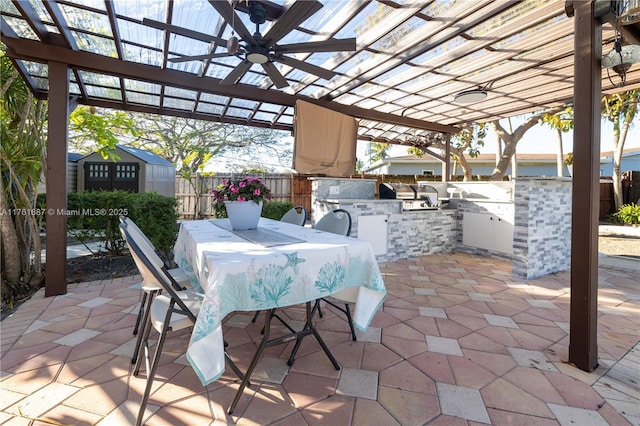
[
  {"x": 157, "y": 217},
  {"x": 95, "y": 215},
  {"x": 275, "y": 209},
  {"x": 628, "y": 214},
  {"x": 270, "y": 209},
  {"x": 219, "y": 211}
]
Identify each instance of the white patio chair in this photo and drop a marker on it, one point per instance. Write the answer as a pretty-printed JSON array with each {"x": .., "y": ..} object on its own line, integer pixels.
[
  {"x": 296, "y": 215},
  {"x": 171, "y": 311},
  {"x": 149, "y": 286},
  {"x": 338, "y": 222}
]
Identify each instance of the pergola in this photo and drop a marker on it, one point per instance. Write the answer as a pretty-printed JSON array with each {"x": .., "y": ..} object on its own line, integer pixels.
[{"x": 411, "y": 59}]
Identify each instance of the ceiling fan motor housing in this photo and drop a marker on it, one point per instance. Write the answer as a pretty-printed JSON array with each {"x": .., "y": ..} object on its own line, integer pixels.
[{"x": 257, "y": 13}]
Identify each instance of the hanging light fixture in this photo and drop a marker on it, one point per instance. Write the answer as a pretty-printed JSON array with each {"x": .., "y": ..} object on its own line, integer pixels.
[
  {"x": 473, "y": 95},
  {"x": 621, "y": 58},
  {"x": 233, "y": 44},
  {"x": 470, "y": 96}
]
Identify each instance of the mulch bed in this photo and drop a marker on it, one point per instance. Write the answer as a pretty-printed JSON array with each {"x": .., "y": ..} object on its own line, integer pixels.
[{"x": 99, "y": 267}]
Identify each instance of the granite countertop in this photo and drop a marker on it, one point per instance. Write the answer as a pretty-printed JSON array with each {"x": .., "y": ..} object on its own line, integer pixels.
[
  {"x": 354, "y": 200},
  {"x": 481, "y": 200}
]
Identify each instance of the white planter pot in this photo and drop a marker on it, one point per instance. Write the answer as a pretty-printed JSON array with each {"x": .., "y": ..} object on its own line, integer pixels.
[{"x": 243, "y": 214}]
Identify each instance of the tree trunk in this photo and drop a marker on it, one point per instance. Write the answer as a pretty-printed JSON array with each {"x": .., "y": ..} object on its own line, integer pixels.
[
  {"x": 617, "y": 160},
  {"x": 505, "y": 159},
  {"x": 466, "y": 169},
  {"x": 560, "y": 156},
  {"x": 11, "y": 264}
]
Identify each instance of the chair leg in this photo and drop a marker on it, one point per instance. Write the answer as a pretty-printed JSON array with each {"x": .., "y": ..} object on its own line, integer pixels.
[
  {"x": 146, "y": 330},
  {"x": 235, "y": 368},
  {"x": 347, "y": 312},
  {"x": 255, "y": 316},
  {"x": 350, "y": 320},
  {"x": 140, "y": 312},
  {"x": 144, "y": 320},
  {"x": 153, "y": 367}
]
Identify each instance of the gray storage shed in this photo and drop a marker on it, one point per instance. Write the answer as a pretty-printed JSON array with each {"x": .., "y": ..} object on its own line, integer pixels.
[{"x": 137, "y": 170}]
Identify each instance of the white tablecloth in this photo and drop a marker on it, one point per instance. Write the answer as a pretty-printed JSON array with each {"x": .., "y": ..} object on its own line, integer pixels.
[{"x": 236, "y": 274}]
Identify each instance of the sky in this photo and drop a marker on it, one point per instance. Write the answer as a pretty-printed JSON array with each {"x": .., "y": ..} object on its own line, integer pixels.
[{"x": 538, "y": 140}]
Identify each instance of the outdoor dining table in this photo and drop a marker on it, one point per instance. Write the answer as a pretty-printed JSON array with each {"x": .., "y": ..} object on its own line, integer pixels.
[{"x": 276, "y": 265}]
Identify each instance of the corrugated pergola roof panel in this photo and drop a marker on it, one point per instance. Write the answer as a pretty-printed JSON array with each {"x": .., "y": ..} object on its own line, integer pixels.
[{"x": 411, "y": 59}]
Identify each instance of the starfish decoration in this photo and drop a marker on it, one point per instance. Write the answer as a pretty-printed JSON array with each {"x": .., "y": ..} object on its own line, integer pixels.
[{"x": 293, "y": 260}]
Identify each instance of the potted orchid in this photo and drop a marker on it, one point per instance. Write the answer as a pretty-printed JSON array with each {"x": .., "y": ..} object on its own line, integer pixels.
[{"x": 241, "y": 200}]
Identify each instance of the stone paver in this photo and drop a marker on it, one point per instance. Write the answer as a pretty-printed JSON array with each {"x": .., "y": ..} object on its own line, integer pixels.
[{"x": 458, "y": 341}]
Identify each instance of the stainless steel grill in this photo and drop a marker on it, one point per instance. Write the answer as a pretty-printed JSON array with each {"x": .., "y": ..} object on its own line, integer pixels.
[{"x": 415, "y": 197}]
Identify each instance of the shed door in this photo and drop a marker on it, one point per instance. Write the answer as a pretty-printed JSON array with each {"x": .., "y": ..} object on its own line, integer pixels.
[{"x": 111, "y": 176}]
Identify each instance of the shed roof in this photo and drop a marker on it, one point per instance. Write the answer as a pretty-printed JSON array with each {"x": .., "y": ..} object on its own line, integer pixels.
[
  {"x": 143, "y": 155},
  {"x": 146, "y": 156},
  {"x": 74, "y": 156}
]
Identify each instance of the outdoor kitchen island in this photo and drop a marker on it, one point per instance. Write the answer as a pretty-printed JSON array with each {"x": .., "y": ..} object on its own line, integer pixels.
[
  {"x": 525, "y": 219},
  {"x": 394, "y": 233}
]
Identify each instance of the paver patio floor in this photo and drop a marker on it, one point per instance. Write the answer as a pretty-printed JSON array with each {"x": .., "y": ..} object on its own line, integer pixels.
[{"x": 459, "y": 341}]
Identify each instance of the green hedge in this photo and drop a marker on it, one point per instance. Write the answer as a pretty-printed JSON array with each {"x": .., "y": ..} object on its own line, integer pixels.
[
  {"x": 275, "y": 209},
  {"x": 96, "y": 215},
  {"x": 270, "y": 209}
]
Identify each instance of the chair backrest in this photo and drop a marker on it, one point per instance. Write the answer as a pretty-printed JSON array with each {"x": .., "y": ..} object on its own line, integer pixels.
[
  {"x": 131, "y": 233},
  {"x": 337, "y": 221},
  {"x": 296, "y": 215},
  {"x": 149, "y": 264},
  {"x": 131, "y": 225}
]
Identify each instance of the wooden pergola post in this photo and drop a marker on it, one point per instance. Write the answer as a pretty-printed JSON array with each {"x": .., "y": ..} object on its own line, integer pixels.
[
  {"x": 583, "y": 345},
  {"x": 56, "y": 246}
]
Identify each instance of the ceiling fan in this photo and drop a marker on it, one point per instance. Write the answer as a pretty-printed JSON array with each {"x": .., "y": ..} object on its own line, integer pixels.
[{"x": 264, "y": 50}]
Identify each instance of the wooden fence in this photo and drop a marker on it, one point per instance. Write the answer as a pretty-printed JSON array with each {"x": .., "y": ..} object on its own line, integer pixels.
[{"x": 195, "y": 202}]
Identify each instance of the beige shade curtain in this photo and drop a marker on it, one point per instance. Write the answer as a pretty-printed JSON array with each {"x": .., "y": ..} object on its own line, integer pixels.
[{"x": 324, "y": 141}]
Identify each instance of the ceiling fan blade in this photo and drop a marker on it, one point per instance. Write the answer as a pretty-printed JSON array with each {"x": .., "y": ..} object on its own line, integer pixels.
[
  {"x": 331, "y": 45},
  {"x": 275, "y": 75},
  {"x": 296, "y": 14},
  {"x": 225, "y": 10},
  {"x": 236, "y": 73},
  {"x": 183, "y": 31},
  {"x": 305, "y": 66},
  {"x": 200, "y": 57}
]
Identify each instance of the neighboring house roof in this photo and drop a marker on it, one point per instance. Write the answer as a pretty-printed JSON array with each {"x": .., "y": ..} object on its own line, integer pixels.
[
  {"x": 608, "y": 155},
  {"x": 73, "y": 156},
  {"x": 605, "y": 157}
]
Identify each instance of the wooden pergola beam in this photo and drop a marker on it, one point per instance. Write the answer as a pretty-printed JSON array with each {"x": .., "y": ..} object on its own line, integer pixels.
[{"x": 39, "y": 52}]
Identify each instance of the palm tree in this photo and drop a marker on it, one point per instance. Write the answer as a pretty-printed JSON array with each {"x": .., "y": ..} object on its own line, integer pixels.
[
  {"x": 620, "y": 109},
  {"x": 378, "y": 151},
  {"x": 22, "y": 153}
]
